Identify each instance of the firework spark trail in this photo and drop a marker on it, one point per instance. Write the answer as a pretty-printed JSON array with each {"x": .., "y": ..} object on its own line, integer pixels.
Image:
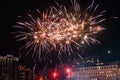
[{"x": 59, "y": 29}]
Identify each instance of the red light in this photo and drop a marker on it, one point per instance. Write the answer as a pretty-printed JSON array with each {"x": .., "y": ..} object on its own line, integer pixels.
[
  {"x": 41, "y": 78},
  {"x": 54, "y": 74},
  {"x": 68, "y": 70}
]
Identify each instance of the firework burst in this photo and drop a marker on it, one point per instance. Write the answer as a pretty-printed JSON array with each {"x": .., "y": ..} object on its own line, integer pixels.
[{"x": 60, "y": 28}]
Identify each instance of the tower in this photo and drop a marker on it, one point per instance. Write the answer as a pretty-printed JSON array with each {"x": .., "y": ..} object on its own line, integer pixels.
[{"x": 8, "y": 67}]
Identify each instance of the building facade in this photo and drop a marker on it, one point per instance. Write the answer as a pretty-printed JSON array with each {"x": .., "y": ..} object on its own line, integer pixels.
[
  {"x": 98, "y": 72},
  {"x": 24, "y": 73},
  {"x": 8, "y": 67}
]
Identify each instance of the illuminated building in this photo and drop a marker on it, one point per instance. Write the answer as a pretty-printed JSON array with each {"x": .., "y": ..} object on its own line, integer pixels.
[
  {"x": 8, "y": 67},
  {"x": 98, "y": 72},
  {"x": 24, "y": 73}
]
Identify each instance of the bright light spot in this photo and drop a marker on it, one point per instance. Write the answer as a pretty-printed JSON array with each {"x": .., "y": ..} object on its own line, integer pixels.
[
  {"x": 99, "y": 28},
  {"x": 35, "y": 36},
  {"x": 54, "y": 74},
  {"x": 37, "y": 41},
  {"x": 109, "y": 51},
  {"x": 80, "y": 35},
  {"x": 82, "y": 42},
  {"x": 53, "y": 15},
  {"x": 74, "y": 36},
  {"x": 85, "y": 37},
  {"x": 67, "y": 42},
  {"x": 68, "y": 70}
]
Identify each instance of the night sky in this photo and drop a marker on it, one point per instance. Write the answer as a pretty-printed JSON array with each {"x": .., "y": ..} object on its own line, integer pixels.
[{"x": 10, "y": 9}]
